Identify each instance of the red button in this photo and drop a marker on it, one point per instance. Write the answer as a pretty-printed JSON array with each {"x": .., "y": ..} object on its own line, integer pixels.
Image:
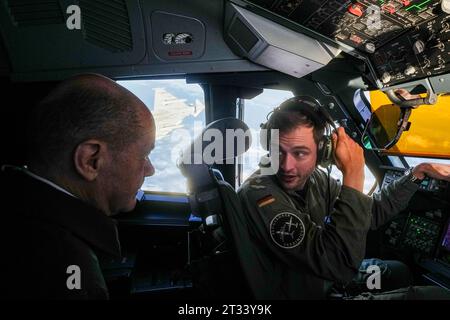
[
  {"x": 355, "y": 39},
  {"x": 356, "y": 9},
  {"x": 389, "y": 8}
]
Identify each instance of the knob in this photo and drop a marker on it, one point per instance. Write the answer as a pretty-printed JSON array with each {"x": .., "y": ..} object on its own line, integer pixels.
[
  {"x": 385, "y": 77},
  {"x": 419, "y": 47},
  {"x": 445, "y": 6},
  {"x": 445, "y": 26},
  {"x": 370, "y": 47},
  {"x": 410, "y": 70}
]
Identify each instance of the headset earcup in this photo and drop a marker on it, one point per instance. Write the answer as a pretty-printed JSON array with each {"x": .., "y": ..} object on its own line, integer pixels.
[
  {"x": 320, "y": 148},
  {"x": 325, "y": 154}
]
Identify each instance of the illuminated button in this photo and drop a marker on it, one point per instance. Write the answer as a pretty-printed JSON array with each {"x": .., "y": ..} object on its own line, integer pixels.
[
  {"x": 356, "y": 9},
  {"x": 388, "y": 8},
  {"x": 355, "y": 39},
  {"x": 406, "y": 2}
]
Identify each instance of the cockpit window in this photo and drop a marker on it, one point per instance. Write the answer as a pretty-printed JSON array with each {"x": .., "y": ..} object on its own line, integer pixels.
[{"x": 179, "y": 112}]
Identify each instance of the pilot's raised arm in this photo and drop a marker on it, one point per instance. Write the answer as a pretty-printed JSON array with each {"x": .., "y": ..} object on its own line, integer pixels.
[{"x": 395, "y": 197}]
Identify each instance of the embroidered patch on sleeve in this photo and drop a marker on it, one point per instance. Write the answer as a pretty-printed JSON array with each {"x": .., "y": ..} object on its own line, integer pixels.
[
  {"x": 287, "y": 230},
  {"x": 265, "y": 201}
]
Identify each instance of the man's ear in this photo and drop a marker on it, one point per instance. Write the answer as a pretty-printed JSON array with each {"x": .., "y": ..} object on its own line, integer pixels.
[{"x": 88, "y": 158}]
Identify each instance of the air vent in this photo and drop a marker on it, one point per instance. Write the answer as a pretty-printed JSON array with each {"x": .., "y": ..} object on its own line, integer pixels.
[
  {"x": 105, "y": 23},
  {"x": 35, "y": 12}
]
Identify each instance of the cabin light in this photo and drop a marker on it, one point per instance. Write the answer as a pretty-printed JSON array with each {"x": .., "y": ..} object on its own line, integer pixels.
[{"x": 445, "y": 6}]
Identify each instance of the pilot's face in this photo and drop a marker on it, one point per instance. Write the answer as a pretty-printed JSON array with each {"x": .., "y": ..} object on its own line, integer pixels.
[
  {"x": 298, "y": 154},
  {"x": 129, "y": 169}
]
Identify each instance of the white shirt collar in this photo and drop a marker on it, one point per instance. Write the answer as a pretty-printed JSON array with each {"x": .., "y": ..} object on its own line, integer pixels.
[{"x": 35, "y": 176}]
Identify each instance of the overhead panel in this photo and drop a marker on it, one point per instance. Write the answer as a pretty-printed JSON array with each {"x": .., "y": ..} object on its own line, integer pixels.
[{"x": 404, "y": 40}]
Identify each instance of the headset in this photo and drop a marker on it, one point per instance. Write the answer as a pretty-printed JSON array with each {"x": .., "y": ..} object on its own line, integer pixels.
[{"x": 316, "y": 113}]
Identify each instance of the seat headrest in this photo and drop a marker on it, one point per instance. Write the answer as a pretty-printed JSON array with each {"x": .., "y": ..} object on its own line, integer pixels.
[{"x": 219, "y": 141}]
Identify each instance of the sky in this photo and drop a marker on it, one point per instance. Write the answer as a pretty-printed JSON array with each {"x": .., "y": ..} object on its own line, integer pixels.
[{"x": 175, "y": 126}]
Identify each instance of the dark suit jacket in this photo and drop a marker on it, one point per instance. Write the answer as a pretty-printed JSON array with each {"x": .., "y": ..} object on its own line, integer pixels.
[{"x": 44, "y": 232}]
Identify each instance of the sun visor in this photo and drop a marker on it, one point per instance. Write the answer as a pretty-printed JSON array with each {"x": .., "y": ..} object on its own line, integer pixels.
[{"x": 274, "y": 46}]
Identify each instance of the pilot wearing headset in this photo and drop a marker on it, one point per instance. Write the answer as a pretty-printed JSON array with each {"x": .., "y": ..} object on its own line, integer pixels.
[{"x": 308, "y": 230}]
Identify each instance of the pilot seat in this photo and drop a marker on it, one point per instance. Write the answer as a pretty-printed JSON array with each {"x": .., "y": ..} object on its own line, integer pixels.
[{"x": 219, "y": 258}]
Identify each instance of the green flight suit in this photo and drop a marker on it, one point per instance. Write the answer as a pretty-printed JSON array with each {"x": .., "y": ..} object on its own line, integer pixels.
[{"x": 299, "y": 255}]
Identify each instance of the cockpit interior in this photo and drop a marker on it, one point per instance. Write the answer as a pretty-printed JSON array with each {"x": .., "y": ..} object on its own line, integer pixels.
[{"x": 197, "y": 62}]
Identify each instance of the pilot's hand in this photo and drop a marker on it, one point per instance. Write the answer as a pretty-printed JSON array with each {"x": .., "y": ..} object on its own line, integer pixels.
[
  {"x": 433, "y": 170},
  {"x": 349, "y": 158}
]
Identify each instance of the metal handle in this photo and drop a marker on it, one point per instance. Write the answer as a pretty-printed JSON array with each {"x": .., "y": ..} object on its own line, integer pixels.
[{"x": 413, "y": 103}]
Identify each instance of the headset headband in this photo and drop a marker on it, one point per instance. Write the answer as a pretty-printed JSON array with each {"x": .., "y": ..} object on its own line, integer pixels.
[{"x": 319, "y": 116}]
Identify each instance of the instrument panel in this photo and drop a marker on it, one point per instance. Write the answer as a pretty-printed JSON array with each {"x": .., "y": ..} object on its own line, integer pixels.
[
  {"x": 427, "y": 184},
  {"x": 421, "y": 230},
  {"x": 404, "y": 39},
  {"x": 421, "y": 52}
]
